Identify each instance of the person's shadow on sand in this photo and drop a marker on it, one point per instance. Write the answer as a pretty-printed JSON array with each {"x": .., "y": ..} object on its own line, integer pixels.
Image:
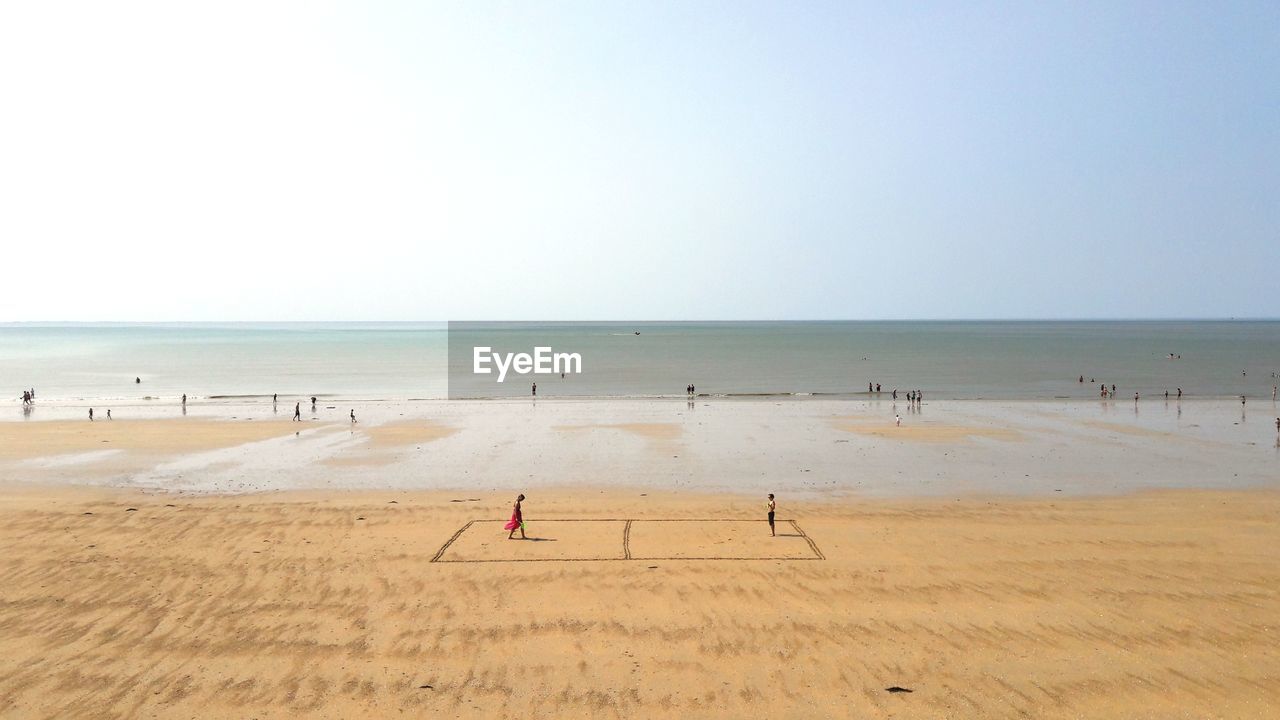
[{"x": 536, "y": 539}]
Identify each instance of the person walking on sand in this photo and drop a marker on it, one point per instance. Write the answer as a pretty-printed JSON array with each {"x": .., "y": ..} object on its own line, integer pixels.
[
  {"x": 353, "y": 416},
  {"x": 108, "y": 413},
  {"x": 897, "y": 419},
  {"x": 297, "y": 411},
  {"x": 517, "y": 520},
  {"x": 773, "y": 506},
  {"x": 90, "y": 414}
]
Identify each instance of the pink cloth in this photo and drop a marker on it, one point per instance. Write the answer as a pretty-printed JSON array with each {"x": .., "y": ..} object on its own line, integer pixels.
[{"x": 515, "y": 521}]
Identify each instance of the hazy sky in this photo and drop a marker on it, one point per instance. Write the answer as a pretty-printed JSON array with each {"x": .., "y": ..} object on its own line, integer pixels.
[{"x": 692, "y": 160}]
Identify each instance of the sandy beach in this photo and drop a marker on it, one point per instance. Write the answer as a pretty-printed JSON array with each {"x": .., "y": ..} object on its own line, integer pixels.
[
  {"x": 118, "y": 603},
  {"x": 995, "y": 559}
]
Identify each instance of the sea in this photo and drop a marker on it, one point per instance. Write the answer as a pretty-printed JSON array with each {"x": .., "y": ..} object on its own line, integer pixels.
[{"x": 1034, "y": 360}]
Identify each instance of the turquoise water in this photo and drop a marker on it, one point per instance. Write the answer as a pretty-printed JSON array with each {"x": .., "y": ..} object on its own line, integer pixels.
[{"x": 1033, "y": 360}]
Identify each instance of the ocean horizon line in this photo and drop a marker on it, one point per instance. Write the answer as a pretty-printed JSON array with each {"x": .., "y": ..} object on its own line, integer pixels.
[{"x": 134, "y": 323}]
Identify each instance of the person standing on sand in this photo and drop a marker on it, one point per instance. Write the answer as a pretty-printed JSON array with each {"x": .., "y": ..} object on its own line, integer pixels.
[
  {"x": 90, "y": 414},
  {"x": 517, "y": 520},
  {"x": 535, "y": 389},
  {"x": 353, "y": 416},
  {"x": 772, "y": 507},
  {"x": 297, "y": 411},
  {"x": 897, "y": 419}
]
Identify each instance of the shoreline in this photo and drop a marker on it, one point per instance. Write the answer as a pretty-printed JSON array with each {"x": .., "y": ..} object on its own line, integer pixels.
[
  {"x": 815, "y": 447},
  {"x": 258, "y": 400}
]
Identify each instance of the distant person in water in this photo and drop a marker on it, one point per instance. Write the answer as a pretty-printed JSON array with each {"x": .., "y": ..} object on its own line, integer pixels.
[
  {"x": 1135, "y": 398},
  {"x": 297, "y": 412},
  {"x": 517, "y": 519},
  {"x": 877, "y": 388},
  {"x": 869, "y": 388},
  {"x": 353, "y": 416},
  {"x": 1179, "y": 393},
  {"x": 895, "y": 393},
  {"x": 313, "y": 402},
  {"x": 137, "y": 381},
  {"x": 773, "y": 506},
  {"x": 184, "y": 398},
  {"x": 1277, "y": 424},
  {"x": 535, "y": 389},
  {"x": 275, "y": 398}
]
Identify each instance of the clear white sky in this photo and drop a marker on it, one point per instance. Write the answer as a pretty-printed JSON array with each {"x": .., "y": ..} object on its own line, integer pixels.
[{"x": 689, "y": 160}]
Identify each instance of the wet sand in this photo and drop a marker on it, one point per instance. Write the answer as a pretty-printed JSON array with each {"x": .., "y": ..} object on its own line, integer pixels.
[
  {"x": 119, "y": 604},
  {"x": 811, "y": 448}
]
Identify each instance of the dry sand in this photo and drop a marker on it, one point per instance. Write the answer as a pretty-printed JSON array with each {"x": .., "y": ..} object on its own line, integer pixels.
[{"x": 119, "y": 604}]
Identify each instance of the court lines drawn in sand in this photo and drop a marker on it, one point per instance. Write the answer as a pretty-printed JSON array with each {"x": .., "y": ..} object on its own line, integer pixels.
[{"x": 625, "y": 553}]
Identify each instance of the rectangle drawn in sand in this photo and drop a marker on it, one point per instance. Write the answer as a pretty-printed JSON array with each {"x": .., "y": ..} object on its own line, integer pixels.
[{"x": 582, "y": 540}]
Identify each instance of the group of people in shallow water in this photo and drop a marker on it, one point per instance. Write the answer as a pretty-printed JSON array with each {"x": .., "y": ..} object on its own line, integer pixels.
[
  {"x": 28, "y": 397},
  {"x": 914, "y": 397},
  {"x": 1110, "y": 393},
  {"x": 517, "y": 518}
]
